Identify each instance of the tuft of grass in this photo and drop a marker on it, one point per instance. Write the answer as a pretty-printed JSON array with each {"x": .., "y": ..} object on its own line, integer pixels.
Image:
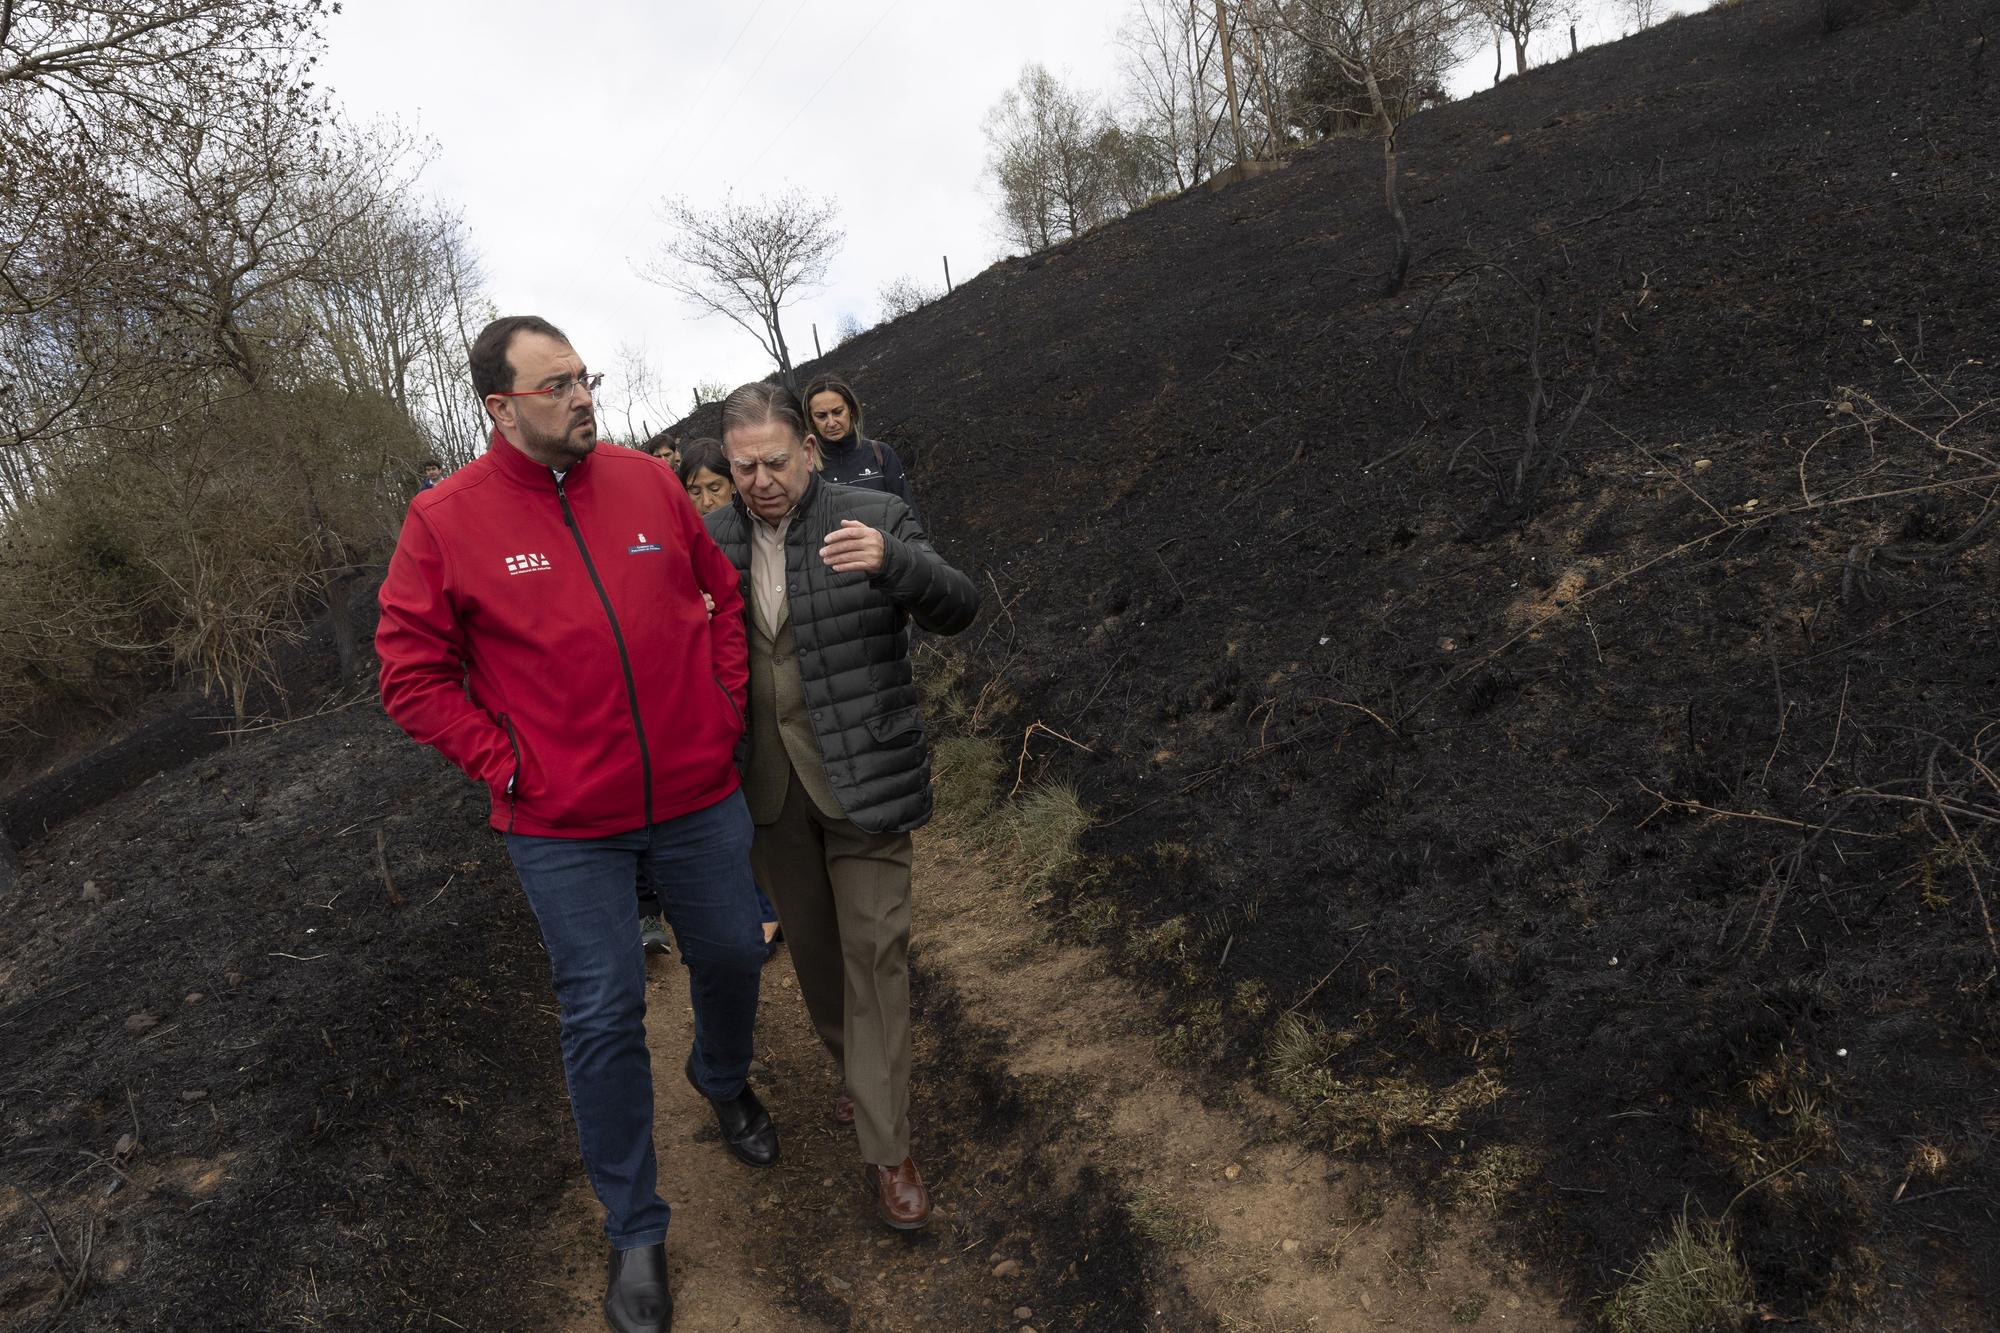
[
  {"x": 1691, "y": 1281},
  {"x": 1036, "y": 835},
  {"x": 965, "y": 777},
  {"x": 1166, "y": 1223},
  {"x": 1493, "y": 1173},
  {"x": 1297, "y": 1053},
  {"x": 1466, "y": 1313}
]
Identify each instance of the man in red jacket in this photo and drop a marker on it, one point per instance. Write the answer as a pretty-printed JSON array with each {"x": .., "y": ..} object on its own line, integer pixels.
[{"x": 543, "y": 626}]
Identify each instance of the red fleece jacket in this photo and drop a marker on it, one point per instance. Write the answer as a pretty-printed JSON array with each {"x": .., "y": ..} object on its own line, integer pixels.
[{"x": 550, "y": 639}]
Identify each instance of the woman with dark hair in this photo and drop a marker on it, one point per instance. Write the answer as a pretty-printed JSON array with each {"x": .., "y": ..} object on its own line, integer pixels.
[
  {"x": 705, "y": 473},
  {"x": 847, "y": 457}
]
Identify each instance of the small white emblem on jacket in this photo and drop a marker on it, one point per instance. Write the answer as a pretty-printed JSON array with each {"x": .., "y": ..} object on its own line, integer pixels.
[{"x": 527, "y": 564}]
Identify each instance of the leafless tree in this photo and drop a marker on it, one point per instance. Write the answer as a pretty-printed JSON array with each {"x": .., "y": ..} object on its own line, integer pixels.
[
  {"x": 1643, "y": 13},
  {"x": 1376, "y": 46},
  {"x": 1522, "y": 19},
  {"x": 748, "y": 261},
  {"x": 1170, "y": 56},
  {"x": 900, "y": 296},
  {"x": 1046, "y": 139}
]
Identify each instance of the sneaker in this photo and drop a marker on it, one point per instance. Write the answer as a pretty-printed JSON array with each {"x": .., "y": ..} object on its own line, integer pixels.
[{"x": 653, "y": 934}]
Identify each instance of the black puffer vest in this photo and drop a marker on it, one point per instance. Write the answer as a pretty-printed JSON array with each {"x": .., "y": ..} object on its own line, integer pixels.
[{"x": 853, "y": 637}]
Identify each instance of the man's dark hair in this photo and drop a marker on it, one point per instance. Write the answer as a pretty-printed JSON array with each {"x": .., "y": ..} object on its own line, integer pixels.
[
  {"x": 490, "y": 371},
  {"x": 820, "y": 384},
  {"x": 430, "y": 463},
  {"x": 754, "y": 404}
]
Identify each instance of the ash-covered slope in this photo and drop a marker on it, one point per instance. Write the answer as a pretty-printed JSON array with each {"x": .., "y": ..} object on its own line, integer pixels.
[{"x": 1616, "y": 778}]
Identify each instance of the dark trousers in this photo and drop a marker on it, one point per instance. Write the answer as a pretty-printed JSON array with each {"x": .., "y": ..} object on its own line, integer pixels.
[{"x": 581, "y": 890}]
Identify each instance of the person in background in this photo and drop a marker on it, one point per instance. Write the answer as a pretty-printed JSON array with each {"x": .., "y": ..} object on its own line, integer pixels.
[
  {"x": 433, "y": 474},
  {"x": 544, "y": 628},
  {"x": 838, "y": 774},
  {"x": 848, "y": 457},
  {"x": 705, "y": 473},
  {"x": 666, "y": 448}
]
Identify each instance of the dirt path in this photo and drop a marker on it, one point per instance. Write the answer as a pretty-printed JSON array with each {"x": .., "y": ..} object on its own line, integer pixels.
[{"x": 1246, "y": 1230}]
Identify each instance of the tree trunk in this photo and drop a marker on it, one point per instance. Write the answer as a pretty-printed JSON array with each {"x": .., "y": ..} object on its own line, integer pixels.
[
  {"x": 1392, "y": 165},
  {"x": 1499, "y": 57},
  {"x": 1263, "y": 77},
  {"x": 1229, "y": 79},
  {"x": 1520, "y": 54},
  {"x": 340, "y": 615}
]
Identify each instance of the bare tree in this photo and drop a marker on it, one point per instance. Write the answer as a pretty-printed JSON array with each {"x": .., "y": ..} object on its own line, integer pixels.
[
  {"x": 708, "y": 391},
  {"x": 1522, "y": 19},
  {"x": 1379, "y": 45},
  {"x": 900, "y": 296},
  {"x": 1170, "y": 101},
  {"x": 1643, "y": 13},
  {"x": 1053, "y": 179},
  {"x": 748, "y": 261}
]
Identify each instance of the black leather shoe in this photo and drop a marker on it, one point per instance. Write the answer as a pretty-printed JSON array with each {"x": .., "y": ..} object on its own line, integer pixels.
[
  {"x": 636, "y": 1299},
  {"x": 746, "y": 1125}
]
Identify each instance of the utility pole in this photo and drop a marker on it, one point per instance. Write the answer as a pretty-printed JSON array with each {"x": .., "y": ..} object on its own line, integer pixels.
[
  {"x": 816, "y": 352},
  {"x": 1229, "y": 79},
  {"x": 947, "y": 275}
]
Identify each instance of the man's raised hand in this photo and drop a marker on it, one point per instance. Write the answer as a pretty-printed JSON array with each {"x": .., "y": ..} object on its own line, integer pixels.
[{"x": 854, "y": 548}]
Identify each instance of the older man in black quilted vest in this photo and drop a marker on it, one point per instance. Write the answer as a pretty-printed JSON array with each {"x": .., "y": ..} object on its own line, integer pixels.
[{"x": 837, "y": 773}]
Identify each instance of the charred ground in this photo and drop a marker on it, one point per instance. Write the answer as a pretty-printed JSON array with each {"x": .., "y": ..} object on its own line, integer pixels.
[
  {"x": 1403, "y": 723},
  {"x": 1415, "y": 714}
]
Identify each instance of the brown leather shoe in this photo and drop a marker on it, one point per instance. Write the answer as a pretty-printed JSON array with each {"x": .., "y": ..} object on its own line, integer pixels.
[
  {"x": 900, "y": 1197},
  {"x": 843, "y": 1110}
]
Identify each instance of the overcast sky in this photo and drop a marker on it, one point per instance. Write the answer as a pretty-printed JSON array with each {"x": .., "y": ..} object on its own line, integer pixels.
[{"x": 558, "y": 131}]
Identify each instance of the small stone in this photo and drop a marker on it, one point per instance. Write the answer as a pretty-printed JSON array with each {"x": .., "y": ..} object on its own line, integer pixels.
[
  {"x": 194, "y": 997},
  {"x": 1703, "y": 464},
  {"x": 194, "y": 1094},
  {"x": 760, "y": 1069},
  {"x": 1367, "y": 1301},
  {"x": 126, "y": 1143},
  {"x": 1007, "y": 1268},
  {"x": 1232, "y": 1171},
  {"x": 234, "y": 978},
  {"x": 140, "y": 1022},
  {"x": 838, "y": 1283},
  {"x": 1024, "y": 1313},
  {"x": 91, "y": 893},
  {"x": 1513, "y": 1302},
  {"x": 1290, "y": 1246},
  {"x": 826, "y": 1182}
]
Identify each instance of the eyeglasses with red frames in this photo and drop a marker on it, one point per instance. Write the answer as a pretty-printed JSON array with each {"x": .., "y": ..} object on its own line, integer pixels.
[{"x": 560, "y": 390}]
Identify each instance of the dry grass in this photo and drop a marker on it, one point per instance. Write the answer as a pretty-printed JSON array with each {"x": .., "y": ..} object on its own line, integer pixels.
[
  {"x": 1691, "y": 1281},
  {"x": 1035, "y": 836},
  {"x": 1298, "y": 1057},
  {"x": 1167, "y": 1224}
]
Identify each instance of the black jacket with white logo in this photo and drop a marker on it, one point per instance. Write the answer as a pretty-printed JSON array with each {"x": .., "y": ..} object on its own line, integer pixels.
[{"x": 869, "y": 464}]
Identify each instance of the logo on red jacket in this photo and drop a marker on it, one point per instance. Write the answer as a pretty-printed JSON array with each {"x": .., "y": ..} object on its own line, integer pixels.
[
  {"x": 642, "y": 547},
  {"x": 530, "y": 563}
]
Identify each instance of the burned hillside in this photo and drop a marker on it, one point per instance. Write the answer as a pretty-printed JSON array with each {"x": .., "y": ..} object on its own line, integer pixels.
[{"x": 1542, "y": 720}]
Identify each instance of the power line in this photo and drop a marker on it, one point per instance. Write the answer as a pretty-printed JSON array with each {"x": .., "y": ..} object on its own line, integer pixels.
[
  {"x": 892, "y": 6},
  {"x": 749, "y": 82},
  {"x": 680, "y": 120}
]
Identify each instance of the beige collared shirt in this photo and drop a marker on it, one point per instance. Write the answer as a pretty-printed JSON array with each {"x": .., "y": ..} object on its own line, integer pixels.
[{"x": 767, "y": 573}]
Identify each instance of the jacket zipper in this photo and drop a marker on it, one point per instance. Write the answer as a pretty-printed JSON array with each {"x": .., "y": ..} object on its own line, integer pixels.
[
  {"x": 513, "y": 782},
  {"x": 617, "y": 637}
]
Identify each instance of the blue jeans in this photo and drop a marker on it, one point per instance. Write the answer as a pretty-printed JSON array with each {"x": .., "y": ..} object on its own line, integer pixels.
[{"x": 581, "y": 890}]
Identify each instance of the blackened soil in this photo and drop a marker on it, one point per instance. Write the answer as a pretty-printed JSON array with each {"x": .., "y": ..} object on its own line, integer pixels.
[
  {"x": 1593, "y": 752},
  {"x": 345, "y": 1113}
]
